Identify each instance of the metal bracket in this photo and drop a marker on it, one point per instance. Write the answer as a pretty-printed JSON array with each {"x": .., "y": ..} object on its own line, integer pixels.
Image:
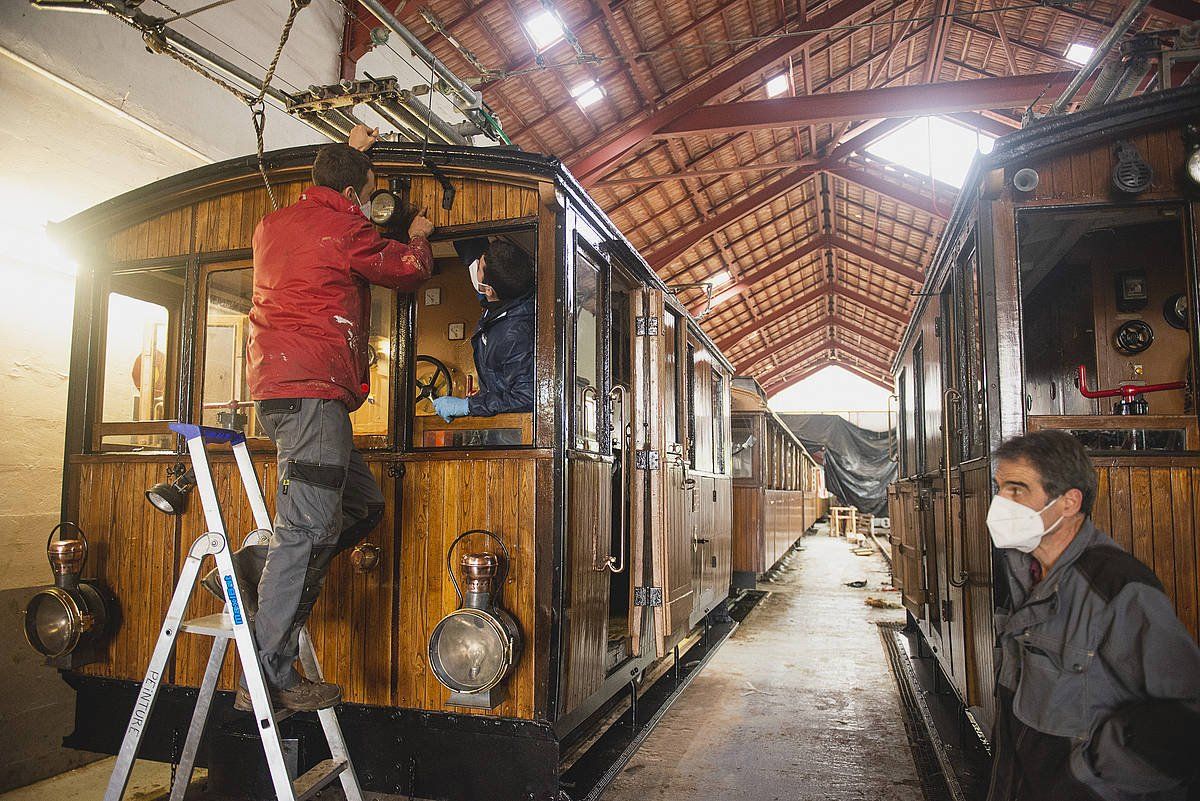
[
  {"x": 395, "y": 469},
  {"x": 645, "y": 460},
  {"x": 646, "y": 326},
  {"x": 647, "y": 596},
  {"x": 448, "y": 190}
]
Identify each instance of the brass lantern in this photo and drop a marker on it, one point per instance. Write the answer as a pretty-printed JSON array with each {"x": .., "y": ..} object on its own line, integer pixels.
[
  {"x": 473, "y": 649},
  {"x": 64, "y": 622}
]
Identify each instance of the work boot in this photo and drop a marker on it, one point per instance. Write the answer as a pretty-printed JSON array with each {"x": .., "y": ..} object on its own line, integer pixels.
[{"x": 303, "y": 696}]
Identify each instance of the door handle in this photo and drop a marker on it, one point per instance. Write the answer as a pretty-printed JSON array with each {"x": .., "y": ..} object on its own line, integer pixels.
[
  {"x": 617, "y": 564},
  {"x": 951, "y": 398}
]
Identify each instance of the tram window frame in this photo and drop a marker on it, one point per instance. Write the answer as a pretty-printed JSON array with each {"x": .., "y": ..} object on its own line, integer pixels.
[
  {"x": 601, "y": 444},
  {"x": 405, "y": 340},
  {"x": 201, "y": 339},
  {"x": 690, "y": 401},
  {"x": 121, "y": 281},
  {"x": 717, "y": 387},
  {"x": 920, "y": 442},
  {"x": 972, "y": 433},
  {"x": 673, "y": 327},
  {"x": 902, "y": 422}
]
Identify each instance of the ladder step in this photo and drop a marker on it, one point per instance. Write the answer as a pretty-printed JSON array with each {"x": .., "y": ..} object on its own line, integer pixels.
[
  {"x": 318, "y": 777},
  {"x": 218, "y": 624}
]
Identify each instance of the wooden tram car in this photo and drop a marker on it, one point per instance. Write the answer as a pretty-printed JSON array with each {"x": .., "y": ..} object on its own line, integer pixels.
[
  {"x": 777, "y": 486},
  {"x": 613, "y": 497},
  {"x": 1068, "y": 266}
]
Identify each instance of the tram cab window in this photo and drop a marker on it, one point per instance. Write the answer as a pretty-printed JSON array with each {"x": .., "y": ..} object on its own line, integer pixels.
[
  {"x": 671, "y": 329},
  {"x": 718, "y": 421},
  {"x": 745, "y": 444},
  {"x": 1108, "y": 289},
  {"x": 224, "y": 390},
  {"x": 449, "y": 332},
  {"x": 141, "y": 341}
]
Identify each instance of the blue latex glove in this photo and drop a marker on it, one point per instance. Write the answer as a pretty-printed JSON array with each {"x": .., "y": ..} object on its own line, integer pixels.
[{"x": 450, "y": 407}]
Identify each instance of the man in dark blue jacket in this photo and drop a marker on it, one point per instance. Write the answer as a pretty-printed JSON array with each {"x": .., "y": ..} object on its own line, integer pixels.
[{"x": 503, "y": 275}]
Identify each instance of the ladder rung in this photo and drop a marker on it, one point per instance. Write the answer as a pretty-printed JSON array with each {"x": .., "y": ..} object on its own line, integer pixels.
[
  {"x": 218, "y": 624},
  {"x": 317, "y": 777}
]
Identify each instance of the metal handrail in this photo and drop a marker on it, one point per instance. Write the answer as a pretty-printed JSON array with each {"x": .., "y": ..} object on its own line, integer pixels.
[{"x": 949, "y": 398}]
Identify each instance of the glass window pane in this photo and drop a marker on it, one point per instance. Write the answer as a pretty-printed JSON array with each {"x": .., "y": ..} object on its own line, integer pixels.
[
  {"x": 718, "y": 421},
  {"x": 671, "y": 378},
  {"x": 225, "y": 399},
  {"x": 464, "y": 347},
  {"x": 742, "y": 432},
  {"x": 589, "y": 356},
  {"x": 372, "y": 417},
  {"x": 141, "y": 342}
]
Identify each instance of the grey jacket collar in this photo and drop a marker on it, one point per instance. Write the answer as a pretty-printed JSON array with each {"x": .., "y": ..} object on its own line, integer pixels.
[{"x": 1021, "y": 580}]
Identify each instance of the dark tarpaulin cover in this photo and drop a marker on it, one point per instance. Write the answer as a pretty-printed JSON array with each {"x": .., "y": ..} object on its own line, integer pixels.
[{"x": 858, "y": 464}]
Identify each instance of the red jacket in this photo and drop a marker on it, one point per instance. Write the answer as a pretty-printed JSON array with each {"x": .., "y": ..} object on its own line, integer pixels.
[{"x": 314, "y": 262}]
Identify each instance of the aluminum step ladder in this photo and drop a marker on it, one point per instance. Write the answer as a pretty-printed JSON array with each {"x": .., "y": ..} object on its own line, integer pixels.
[{"x": 231, "y": 624}]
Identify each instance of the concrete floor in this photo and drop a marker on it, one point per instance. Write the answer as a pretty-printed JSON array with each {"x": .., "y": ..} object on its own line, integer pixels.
[{"x": 798, "y": 704}]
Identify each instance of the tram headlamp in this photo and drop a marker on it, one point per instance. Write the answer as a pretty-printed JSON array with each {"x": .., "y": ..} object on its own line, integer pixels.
[
  {"x": 1193, "y": 165},
  {"x": 72, "y": 613},
  {"x": 384, "y": 206},
  {"x": 171, "y": 498},
  {"x": 472, "y": 649}
]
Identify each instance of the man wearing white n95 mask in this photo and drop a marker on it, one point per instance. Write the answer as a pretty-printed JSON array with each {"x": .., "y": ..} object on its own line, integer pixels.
[{"x": 1098, "y": 687}]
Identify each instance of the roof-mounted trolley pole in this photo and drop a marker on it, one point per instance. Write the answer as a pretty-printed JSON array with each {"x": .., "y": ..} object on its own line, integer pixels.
[
  {"x": 1106, "y": 44},
  {"x": 461, "y": 94}
]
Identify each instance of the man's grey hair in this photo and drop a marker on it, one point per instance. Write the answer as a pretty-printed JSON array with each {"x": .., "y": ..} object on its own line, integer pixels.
[{"x": 1060, "y": 461}]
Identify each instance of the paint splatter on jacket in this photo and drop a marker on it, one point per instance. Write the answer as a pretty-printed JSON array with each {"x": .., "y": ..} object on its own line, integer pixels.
[{"x": 314, "y": 263}]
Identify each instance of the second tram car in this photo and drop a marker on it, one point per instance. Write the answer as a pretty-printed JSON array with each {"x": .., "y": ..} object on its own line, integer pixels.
[
  {"x": 777, "y": 485},
  {"x": 1062, "y": 296}
]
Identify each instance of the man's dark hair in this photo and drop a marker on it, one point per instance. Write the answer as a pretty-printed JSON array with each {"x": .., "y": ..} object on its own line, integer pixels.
[
  {"x": 339, "y": 166},
  {"x": 507, "y": 269},
  {"x": 1059, "y": 459}
]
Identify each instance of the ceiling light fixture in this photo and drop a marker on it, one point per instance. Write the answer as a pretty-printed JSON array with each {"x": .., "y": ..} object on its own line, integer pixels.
[
  {"x": 545, "y": 29},
  {"x": 777, "y": 85}
]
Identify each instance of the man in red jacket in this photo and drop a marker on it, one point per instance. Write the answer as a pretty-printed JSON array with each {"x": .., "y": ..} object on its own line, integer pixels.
[{"x": 314, "y": 263}]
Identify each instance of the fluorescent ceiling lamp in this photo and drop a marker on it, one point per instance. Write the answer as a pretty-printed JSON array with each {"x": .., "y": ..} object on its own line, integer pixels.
[
  {"x": 950, "y": 146},
  {"x": 1079, "y": 53},
  {"x": 544, "y": 28},
  {"x": 777, "y": 85},
  {"x": 586, "y": 93}
]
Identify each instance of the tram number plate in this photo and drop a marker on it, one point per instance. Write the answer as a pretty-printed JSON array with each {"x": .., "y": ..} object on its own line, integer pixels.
[{"x": 647, "y": 596}]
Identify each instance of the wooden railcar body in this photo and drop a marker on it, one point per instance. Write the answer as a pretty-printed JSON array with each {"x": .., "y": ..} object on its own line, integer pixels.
[
  {"x": 1024, "y": 288},
  {"x": 164, "y": 285},
  {"x": 777, "y": 487}
]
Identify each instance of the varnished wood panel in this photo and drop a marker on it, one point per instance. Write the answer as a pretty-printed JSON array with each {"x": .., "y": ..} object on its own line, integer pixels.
[
  {"x": 440, "y": 499},
  {"x": 1154, "y": 513},
  {"x": 585, "y": 589},
  {"x": 163, "y": 236},
  {"x": 1085, "y": 175},
  {"x": 747, "y": 529},
  {"x": 132, "y": 550},
  {"x": 978, "y": 620}
]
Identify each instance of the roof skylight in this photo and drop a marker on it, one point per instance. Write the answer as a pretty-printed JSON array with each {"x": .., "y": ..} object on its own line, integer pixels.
[
  {"x": 545, "y": 29},
  {"x": 720, "y": 278},
  {"x": 1079, "y": 53},
  {"x": 913, "y": 144},
  {"x": 777, "y": 85},
  {"x": 586, "y": 93}
]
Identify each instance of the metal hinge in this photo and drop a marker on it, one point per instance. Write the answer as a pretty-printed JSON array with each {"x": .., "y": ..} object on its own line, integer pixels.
[
  {"x": 937, "y": 326},
  {"x": 645, "y": 460},
  {"x": 647, "y": 596},
  {"x": 646, "y": 326}
]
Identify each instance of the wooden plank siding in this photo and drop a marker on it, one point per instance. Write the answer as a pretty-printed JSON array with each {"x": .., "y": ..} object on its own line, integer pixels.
[
  {"x": 585, "y": 589},
  {"x": 227, "y": 222},
  {"x": 1152, "y": 510},
  {"x": 748, "y": 544}
]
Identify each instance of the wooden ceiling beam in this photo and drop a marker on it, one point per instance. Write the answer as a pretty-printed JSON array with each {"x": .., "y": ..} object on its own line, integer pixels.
[
  {"x": 840, "y": 290},
  {"x": 898, "y": 192},
  {"x": 841, "y": 323},
  {"x": 885, "y": 102},
  {"x": 684, "y": 175},
  {"x": 795, "y": 335},
  {"x": 887, "y": 262},
  {"x": 794, "y": 361},
  {"x": 590, "y": 168}
]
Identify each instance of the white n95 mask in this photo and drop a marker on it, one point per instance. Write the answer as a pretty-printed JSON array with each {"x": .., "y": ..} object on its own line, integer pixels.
[{"x": 1013, "y": 525}]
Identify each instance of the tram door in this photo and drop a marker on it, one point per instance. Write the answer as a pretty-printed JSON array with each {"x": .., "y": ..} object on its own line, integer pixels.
[{"x": 670, "y": 490}]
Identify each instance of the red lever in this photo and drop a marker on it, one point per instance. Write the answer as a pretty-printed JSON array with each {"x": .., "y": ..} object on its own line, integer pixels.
[{"x": 1127, "y": 391}]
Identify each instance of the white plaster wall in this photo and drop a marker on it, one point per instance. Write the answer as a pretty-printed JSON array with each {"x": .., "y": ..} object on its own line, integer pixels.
[{"x": 59, "y": 154}]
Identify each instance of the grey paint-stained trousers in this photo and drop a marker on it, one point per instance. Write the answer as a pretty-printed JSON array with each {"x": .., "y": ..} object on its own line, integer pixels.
[{"x": 326, "y": 500}]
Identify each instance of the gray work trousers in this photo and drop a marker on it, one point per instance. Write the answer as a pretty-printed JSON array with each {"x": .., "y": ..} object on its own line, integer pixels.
[{"x": 326, "y": 501}]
